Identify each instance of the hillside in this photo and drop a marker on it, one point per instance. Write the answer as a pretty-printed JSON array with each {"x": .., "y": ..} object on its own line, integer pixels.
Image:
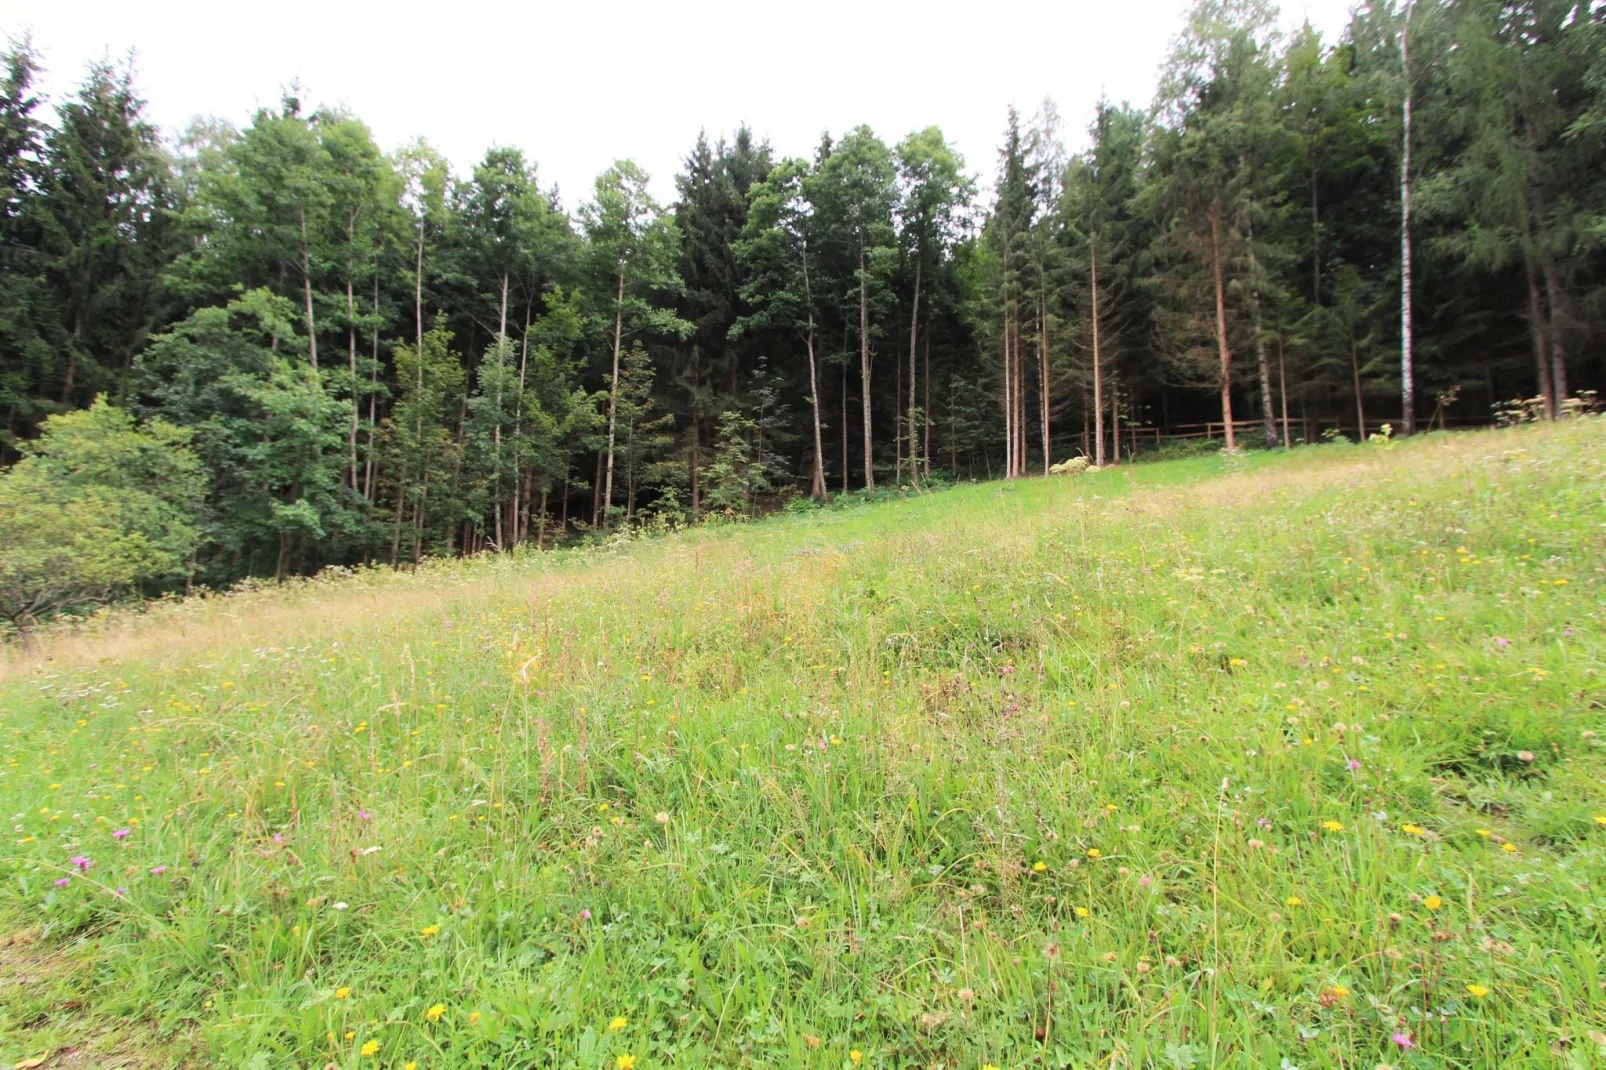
[{"x": 1294, "y": 759}]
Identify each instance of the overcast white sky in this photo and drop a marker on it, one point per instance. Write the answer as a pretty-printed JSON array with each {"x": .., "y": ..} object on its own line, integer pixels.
[{"x": 576, "y": 85}]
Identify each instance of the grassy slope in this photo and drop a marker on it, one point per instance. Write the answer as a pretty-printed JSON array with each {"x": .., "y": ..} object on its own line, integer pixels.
[{"x": 1023, "y": 774}]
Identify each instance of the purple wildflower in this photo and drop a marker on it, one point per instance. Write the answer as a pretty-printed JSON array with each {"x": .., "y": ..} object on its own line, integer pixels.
[
  {"x": 63, "y": 882},
  {"x": 1501, "y": 643},
  {"x": 1263, "y": 822},
  {"x": 1403, "y": 1040},
  {"x": 585, "y": 915},
  {"x": 1353, "y": 764},
  {"x": 121, "y": 834},
  {"x": 120, "y": 892},
  {"x": 82, "y": 863},
  {"x": 157, "y": 871},
  {"x": 278, "y": 837},
  {"x": 1145, "y": 880},
  {"x": 364, "y": 815}
]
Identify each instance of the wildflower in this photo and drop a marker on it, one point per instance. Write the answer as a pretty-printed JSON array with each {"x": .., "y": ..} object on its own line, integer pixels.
[
  {"x": 1339, "y": 991},
  {"x": 351, "y": 1034},
  {"x": 855, "y": 1056},
  {"x": 661, "y": 817},
  {"x": 371, "y": 1048},
  {"x": 585, "y": 915},
  {"x": 364, "y": 815},
  {"x": 157, "y": 871},
  {"x": 81, "y": 862},
  {"x": 473, "y": 1017},
  {"x": 1094, "y": 852},
  {"x": 435, "y": 1012},
  {"x": 1509, "y": 848},
  {"x": 1332, "y": 826},
  {"x": 989, "y": 1066},
  {"x": 429, "y": 930},
  {"x": 1600, "y": 819},
  {"x": 1293, "y": 901},
  {"x": 1352, "y": 764},
  {"x": 1414, "y": 830},
  {"x": 1477, "y": 991},
  {"x": 410, "y": 1066},
  {"x": 1486, "y": 833},
  {"x": 120, "y": 892},
  {"x": 625, "y": 1062},
  {"x": 1403, "y": 1040},
  {"x": 1255, "y": 845},
  {"x": 342, "y": 993},
  {"x": 1433, "y": 902},
  {"x": 1083, "y": 912},
  {"x": 121, "y": 834},
  {"x": 62, "y": 882},
  {"x": 1039, "y": 866},
  {"x": 617, "y": 1024},
  {"x": 1145, "y": 880}
]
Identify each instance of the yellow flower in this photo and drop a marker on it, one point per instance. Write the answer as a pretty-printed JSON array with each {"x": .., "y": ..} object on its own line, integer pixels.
[
  {"x": 435, "y": 1012},
  {"x": 429, "y": 930},
  {"x": 1477, "y": 991},
  {"x": 473, "y": 1017},
  {"x": 1433, "y": 902},
  {"x": 1414, "y": 830},
  {"x": 625, "y": 1062},
  {"x": 1293, "y": 901},
  {"x": 1039, "y": 866},
  {"x": 989, "y": 1066},
  {"x": 351, "y": 1034},
  {"x": 855, "y": 1056},
  {"x": 1600, "y": 819},
  {"x": 342, "y": 993},
  {"x": 1094, "y": 852},
  {"x": 371, "y": 1048},
  {"x": 410, "y": 1066},
  {"x": 1509, "y": 848},
  {"x": 1332, "y": 826},
  {"x": 618, "y": 1024},
  {"x": 1083, "y": 912},
  {"x": 1485, "y": 833},
  {"x": 1339, "y": 991}
]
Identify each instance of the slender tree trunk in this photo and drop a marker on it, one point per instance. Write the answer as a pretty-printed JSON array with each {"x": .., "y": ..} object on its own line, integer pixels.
[
  {"x": 817, "y": 484},
  {"x": 1558, "y": 342},
  {"x": 864, "y": 372},
  {"x": 926, "y": 451},
  {"x": 1098, "y": 360},
  {"x": 418, "y": 293},
  {"x": 914, "y": 331},
  {"x": 1282, "y": 388},
  {"x": 351, "y": 353},
  {"x": 844, "y": 426},
  {"x": 1539, "y": 329},
  {"x": 1221, "y": 325},
  {"x": 1407, "y": 371},
  {"x": 306, "y": 285},
  {"x": 1267, "y": 414},
  {"x": 1315, "y": 236},
  {"x": 496, "y": 429},
  {"x": 1042, "y": 367},
  {"x": 1355, "y": 370},
  {"x": 368, "y": 490},
  {"x": 1115, "y": 418},
  {"x": 613, "y": 389},
  {"x": 1009, "y": 399}
]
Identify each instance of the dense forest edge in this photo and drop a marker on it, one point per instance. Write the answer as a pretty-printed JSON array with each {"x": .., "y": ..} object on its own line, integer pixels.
[{"x": 265, "y": 351}]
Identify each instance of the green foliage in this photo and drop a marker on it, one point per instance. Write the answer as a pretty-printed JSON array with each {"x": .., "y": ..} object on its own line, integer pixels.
[{"x": 97, "y": 504}]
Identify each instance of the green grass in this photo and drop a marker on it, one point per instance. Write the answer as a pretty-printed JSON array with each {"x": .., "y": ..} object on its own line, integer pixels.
[{"x": 1201, "y": 763}]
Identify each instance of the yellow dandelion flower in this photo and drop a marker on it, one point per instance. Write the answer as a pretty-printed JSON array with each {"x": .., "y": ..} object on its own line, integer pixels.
[
  {"x": 473, "y": 1017},
  {"x": 855, "y": 1056},
  {"x": 1600, "y": 819},
  {"x": 1094, "y": 852},
  {"x": 342, "y": 993},
  {"x": 625, "y": 1062},
  {"x": 351, "y": 1034},
  {"x": 1509, "y": 848},
  {"x": 1333, "y": 826},
  {"x": 1477, "y": 991},
  {"x": 429, "y": 930},
  {"x": 371, "y": 1048},
  {"x": 410, "y": 1066},
  {"x": 1339, "y": 991},
  {"x": 1293, "y": 901},
  {"x": 1413, "y": 830},
  {"x": 1039, "y": 866},
  {"x": 1083, "y": 912},
  {"x": 435, "y": 1012},
  {"x": 1433, "y": 902},
  {"x": 617, "y": 1024},
  {"x": 1485, "y": 833}
]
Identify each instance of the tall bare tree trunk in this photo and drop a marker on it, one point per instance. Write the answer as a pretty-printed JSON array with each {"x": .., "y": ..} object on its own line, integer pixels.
[
  {"x": 817, "y": 483},
  {"x": 373, "y": 395},
  {"x": 1221, "y": 325},
  {"x": 926, "y": 451},
  {"x": 1355, "y": 370},
  {"x": 1282, "y": 388},
  {"x": 1098, "y": 359},
  {"x": 418, "y": 294},
  {"x": 1009, "y": 399},
  {"x": 1042, "y": 367},
  {"x": 864, "y": 372},
  {"x": 1115, "y": 419},
  {"x": 1558, "y": 342},
  {"x": 351, "y": 355},
  {"x": 1267, "y": 414},
  {"x": 914, "y": 331},
  {"x": 613, "y": 391},
  {"x": 306, "y": 286},
  {"x": 1407, "y": 371},
  {"x": 1541, "y": 335},
  {"x": 844, "y": 425}
]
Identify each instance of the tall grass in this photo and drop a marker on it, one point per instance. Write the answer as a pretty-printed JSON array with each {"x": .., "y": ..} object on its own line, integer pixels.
[{"x": 1291, "y": 759}]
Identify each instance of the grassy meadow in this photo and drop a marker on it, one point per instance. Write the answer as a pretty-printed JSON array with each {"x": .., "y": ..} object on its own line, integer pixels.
[{"x": 1285, "y": 760}]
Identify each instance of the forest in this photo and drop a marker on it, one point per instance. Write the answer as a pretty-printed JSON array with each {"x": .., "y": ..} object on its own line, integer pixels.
[{"x": 270, "y": 349}]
